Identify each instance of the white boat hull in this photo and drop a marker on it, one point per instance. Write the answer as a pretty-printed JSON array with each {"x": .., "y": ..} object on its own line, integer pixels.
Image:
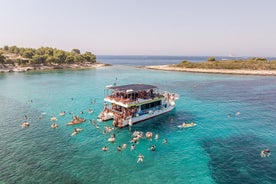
[{"x": 147, "y": 116}]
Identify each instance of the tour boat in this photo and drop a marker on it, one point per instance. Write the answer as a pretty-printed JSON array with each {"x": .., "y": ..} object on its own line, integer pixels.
[{"x": 133, "y": 103}]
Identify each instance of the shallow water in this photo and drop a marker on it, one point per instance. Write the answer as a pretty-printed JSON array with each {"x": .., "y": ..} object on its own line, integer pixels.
[{"x": 224, "y": 147}]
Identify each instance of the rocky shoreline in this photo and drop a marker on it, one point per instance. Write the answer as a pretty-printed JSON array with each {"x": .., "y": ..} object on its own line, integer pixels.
[
  {"x": 13, "y": 68},
  {"x": 213, "y": 71}
]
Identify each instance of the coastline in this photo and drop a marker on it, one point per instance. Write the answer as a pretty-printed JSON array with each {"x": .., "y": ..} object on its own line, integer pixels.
[
  {"x": 213, "y": 71},
  {"x": 78, "y": 66}
]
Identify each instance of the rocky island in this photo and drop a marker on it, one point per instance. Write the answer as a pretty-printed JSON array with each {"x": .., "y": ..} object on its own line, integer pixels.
[
  {"x": 249, "y": 66},
  {"x": 15, "y": 59}
]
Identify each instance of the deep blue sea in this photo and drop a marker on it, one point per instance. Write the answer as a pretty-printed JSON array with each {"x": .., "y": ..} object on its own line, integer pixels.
[{"x": 235, "y": 117}]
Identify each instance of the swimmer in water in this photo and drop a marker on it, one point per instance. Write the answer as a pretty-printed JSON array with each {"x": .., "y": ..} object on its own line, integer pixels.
[
  {"x": 265, "y": 153},
  {"x": 165, "y": 141},
  {"x": 132, "y": 147},
  {"x": 124, "y": 146},
  {"x": 92, "y": 121},
  {"x": 119, "y": 148},
  {"x": 156, "y": 136},
  {"x": 140, "y": 158},
  {"x": 104, "y": 148},
  {"x": 25, "y": 124},
  {"x": 153, "y": 148},
  {"x": 76, "y": 131}
]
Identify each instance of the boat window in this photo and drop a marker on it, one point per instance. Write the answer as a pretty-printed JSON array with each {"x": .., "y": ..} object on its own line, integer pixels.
[{"x": 150, "y": 105}]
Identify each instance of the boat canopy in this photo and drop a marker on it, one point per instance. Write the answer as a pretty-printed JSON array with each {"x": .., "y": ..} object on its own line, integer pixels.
[{"x": 132, "y": 87}]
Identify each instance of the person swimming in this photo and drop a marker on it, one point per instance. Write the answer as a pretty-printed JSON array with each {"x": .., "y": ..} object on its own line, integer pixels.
[
  {"x": 112, "y": 139},
  {"x": 62, "y": 113},
  {"x": 265, "y": 153},
  {"x": 140, "y": 158},
  {"x": 132, "y": 147},
  {"x": 53, "y": 118},
  {"x": 76, "y": 131},
  {"x": 149, "y": 135},
  {"x": 25, "y": 124},
  {"x": 165, "y": 141},
  {"x": 92, "y": 121},
  {"x": 153, "y": 148},
  {"x": 54, "y": 125},
  {"x": 156, "y": 136},
  {"x": 119, "y": 148},
  {"x": 104, "y": 148},
  {"x": 124, "y": 146}
]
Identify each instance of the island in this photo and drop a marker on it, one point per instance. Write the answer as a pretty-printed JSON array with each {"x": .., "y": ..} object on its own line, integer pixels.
[
  {"x": 248, "y": 66},
  {"x": 15, "y": 59}
]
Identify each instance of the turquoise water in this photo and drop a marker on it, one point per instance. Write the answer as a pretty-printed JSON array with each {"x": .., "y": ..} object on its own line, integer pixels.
[{"x": 222, "y": 148}]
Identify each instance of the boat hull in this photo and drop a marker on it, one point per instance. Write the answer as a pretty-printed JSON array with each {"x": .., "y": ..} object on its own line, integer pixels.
[{"x": 138, "y": 119}]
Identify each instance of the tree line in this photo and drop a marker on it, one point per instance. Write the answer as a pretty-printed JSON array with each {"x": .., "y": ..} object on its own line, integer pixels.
[
  {"x": 43, "y": 55},
  {"x": 249, "y": 64}
]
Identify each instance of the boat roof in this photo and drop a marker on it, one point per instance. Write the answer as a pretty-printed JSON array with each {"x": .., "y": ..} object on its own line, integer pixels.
[{"x": 132, "y": 87}]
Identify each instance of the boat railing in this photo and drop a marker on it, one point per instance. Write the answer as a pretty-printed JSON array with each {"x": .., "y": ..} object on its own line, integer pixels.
[{"x": 126, "y": 102}]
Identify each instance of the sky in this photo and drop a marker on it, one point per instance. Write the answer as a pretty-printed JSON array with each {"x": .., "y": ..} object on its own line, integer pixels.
[{"x": 143, "y": 27}]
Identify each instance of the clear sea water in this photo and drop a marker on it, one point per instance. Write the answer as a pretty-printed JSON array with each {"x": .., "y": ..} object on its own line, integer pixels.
[{"x": 224, "y": 147}]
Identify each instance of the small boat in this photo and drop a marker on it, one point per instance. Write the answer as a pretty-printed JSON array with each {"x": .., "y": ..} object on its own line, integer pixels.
[
  {"x": 25, "y": 124},
  {"x": 76, "y": 121},
  {"x": 186, "y": 125},
  {"x": 54, "y": 125}
]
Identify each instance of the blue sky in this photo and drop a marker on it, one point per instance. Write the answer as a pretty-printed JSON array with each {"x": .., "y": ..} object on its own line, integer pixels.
[{"x": 143, "y": 27}]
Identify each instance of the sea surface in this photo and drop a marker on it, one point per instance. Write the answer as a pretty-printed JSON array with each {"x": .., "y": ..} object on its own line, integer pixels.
[
  {"x": 160, "y": 60},
  {"x": 235, "y": 117}
]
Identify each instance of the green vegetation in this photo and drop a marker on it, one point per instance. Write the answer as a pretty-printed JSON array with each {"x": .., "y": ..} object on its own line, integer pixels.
[
  {"x": 2, "y": 58},
  {"x": 247, "y": 64},
  {"x": 43, "y": 56},
  {"x": 211, "y": 59}
]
